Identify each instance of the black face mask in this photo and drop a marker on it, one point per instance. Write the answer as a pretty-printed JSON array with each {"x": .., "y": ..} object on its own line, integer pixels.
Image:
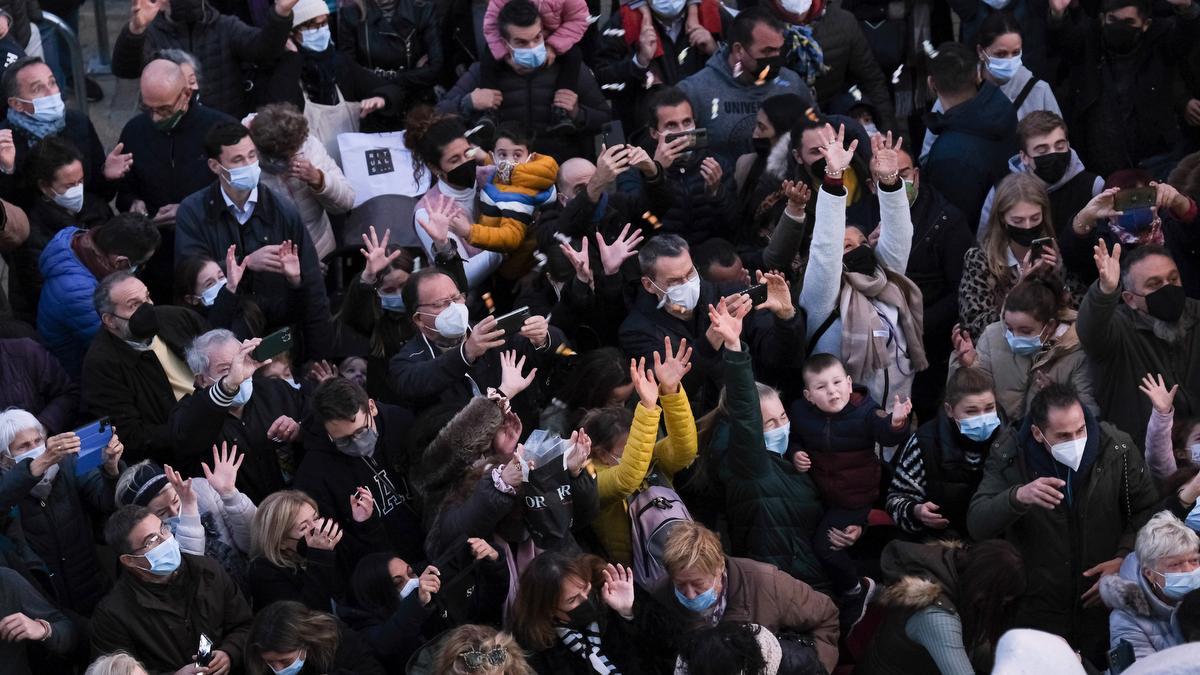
[
  {"x": 773, "y": 66},
  {"x": 1021, "y": 236},
  {"x": 860, "y": 260},
  {"x": 583, "y": 615},
  {"x": 187, "y": 11},
  {"x": 1121, "y": 37},
  {"x": 762, "y": 146},
  {"x": 143, "y": 323},
  {"x": 1052, "y": 167},
  {"x": 463, "y": 175},
  {"x": 1166, "y": 303},
  {"x": 817, "y": 169}
]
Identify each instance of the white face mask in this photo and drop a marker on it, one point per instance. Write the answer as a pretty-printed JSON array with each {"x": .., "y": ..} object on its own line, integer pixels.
[
  {"x": 1194, "y": 451},
  {"x": 409, "y": 586},
  {"x": 1070, "y": 453},
  {"x": 453, "y": 321},
  {"x": 71, "y": 199},
  {"x": 796, "y": 7},
  {"x": 685, "y": 295},
  {"x": 209, "y": 296}
]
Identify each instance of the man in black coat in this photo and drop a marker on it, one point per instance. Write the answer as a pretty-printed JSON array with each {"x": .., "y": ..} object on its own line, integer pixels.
[
  {"x": 448, "y": 360},
  {"x": 238, "y": 211},
  {"x": 525, "y": 95},
  {"x": 673, "y": 303},
  {"x": 36, "y": 110},
  {"x": 134, "y": 371},
  {"x": 260, "y": 415},
  {"x": 223, "y": 44},
  {"x": 352, "y": 443}
]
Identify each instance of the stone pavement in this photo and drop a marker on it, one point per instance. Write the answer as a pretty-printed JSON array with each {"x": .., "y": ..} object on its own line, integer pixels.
[{"x": 120, "y": 96}]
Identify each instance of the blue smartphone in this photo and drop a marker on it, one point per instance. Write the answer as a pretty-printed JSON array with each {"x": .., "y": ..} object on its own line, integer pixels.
[{"x": 93, "y": 438}]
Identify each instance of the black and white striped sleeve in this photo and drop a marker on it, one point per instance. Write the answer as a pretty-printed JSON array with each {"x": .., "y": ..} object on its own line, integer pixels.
[{"x": 907, "y": 490}]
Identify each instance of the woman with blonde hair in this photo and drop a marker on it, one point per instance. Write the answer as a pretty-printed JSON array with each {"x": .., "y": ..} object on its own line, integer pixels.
[
  {"x": 481, "y": 650},
  {"x": 1019, "y": 243},
  {"x": 291, "y": 553},
  {"x": 288, "y": 638},
  {"x": 118, "y": 663}
]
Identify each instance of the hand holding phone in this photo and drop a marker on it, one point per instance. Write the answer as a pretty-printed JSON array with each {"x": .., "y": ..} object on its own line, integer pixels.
[
  {"x": 273, "y": 345},
  {"x": 1131, "y": 199},
  {"x": 511, "y": 323}
]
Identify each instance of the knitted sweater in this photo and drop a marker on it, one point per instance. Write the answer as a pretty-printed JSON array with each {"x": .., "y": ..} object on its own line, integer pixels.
[{"x": 616, "y": 483}]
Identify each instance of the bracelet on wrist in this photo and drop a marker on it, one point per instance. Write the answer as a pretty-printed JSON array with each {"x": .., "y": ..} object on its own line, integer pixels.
[
  {"x": 889, "y": 179},
  {"x": 832, "y": 173}
]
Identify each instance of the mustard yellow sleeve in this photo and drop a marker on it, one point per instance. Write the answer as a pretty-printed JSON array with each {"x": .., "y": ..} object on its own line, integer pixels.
[
  {"x": 626, "y": 477},
  {"x": 678, "y": 449},
  {"x": 505, "y": 236}
]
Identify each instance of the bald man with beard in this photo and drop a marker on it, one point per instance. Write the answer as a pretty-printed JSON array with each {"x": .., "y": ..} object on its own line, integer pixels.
[{"x": 167, "y": 142}]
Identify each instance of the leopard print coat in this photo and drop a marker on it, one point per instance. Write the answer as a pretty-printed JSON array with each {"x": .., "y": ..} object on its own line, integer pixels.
[{"x": 980, "y": 295}]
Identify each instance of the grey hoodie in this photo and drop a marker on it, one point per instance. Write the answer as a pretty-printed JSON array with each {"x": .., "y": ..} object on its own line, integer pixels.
[
  {"x": 737, "y": 103},
  {"x": 1015, "y": 165}
]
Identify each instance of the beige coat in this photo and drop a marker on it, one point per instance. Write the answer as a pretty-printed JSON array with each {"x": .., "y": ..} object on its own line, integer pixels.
[
  {"x": 1063, "y": 362},
  {"x": 314, "y": 207}
]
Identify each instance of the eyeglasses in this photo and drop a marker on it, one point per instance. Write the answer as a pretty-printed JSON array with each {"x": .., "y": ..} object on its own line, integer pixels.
[
  {"x": 439, "y": 305},
  {"x": 346, "y": 441},
  {"x": 154, "y": 540},
  {"x": 478, "y": 660},
  {"x": 165, "y": 110}
]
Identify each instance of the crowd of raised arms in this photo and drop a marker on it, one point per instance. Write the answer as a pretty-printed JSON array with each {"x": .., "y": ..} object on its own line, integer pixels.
[{"x": 572, "y": 337}]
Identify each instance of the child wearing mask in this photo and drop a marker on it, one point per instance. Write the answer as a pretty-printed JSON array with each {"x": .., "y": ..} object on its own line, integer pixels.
[
  {"x": 563, "y": 24},
  {"x": 837, "y": 427}
]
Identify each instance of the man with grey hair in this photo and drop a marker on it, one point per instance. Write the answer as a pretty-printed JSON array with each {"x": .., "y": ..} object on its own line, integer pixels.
[
  {"x": 673, "y": 305},
  {"x": 134, "y": 371},
  {"x": 1165, "y": 567},
  {"x": 231, "y": 406}
]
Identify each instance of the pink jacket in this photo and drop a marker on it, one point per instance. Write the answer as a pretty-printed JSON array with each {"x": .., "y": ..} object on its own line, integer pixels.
[{"x": 563, "y": 21}]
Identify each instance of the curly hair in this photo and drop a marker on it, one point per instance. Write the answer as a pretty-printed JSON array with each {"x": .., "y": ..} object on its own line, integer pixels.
[
  {"x": 279, "y": 129},
  {"x": 426, "y": 135}
]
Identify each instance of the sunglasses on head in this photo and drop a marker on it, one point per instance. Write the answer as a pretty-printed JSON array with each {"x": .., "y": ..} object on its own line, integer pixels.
[{"x": 478, "y": 660}]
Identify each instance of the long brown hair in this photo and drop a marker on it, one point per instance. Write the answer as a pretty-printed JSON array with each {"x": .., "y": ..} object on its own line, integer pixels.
[
  {"x": 287, "y": 626},
  {"x": 991, "y": 582},
  {"x": 541, "y": 589},
  {"x": 1014, "y": 189}
]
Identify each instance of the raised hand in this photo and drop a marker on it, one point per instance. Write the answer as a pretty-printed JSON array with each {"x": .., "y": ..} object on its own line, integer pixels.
[
  {"x": 188, "y": 501},
  {"x": 429, "y": 583},
  {"x": 579, "y": 260},
  {"x": 1059, "y": 7},
  {"x": 362, "y": 505},
  {"x": 727, "y": 326},
  {"x": 112, "y": 455},
  {"x": 142, "y": 12},
  {"x": 963, "y": 346},
  {"x": 116, "y": 164},
  {"x": 242, "y": 367},
  {"x": 644, "y": 383},
  {"x": 265, "y": 259},
  {"x": 536, "y": 329},
  {"x": 284, "y": 7},
  {"x": 512, "y": 474},
  {"x": 512, "y": 381},
  {"x": 617, "y": 592},
  {"x": 57, "y": 447},
  {"x": 711, "y": 171},
  {"x": 928, "y": 514},
  {"x": 647, "y": 43},
  {"x": 901, "y": 411},
  {"x": 484, "y": 336},
  {"x": 233, "y": 270},
  {"x": 797, "y": 194},
  {"x": 222, "y": 475},
  {"x": 581, "y": 450},
  {"x": 671, "y": 369},
  {"x": 837, "y": 157},
  {"x": 622, "y": 249},
  {"x": 667, "y": 152},
  {"x": 1109, "y": 266},
  {"x": 289, "y": 259},
  {"x": 643, "y": 161},
  {"x": 436, "y": 224},
  {"x": 324, "y": 535},
  {"x": 779, "y": 295},
  {"x": 885, "y": 158},
  {"x": 374, "y": 250},
  {"x": 1161, "y": 398},
  {"x": 321, "y": 371},
  {"x": 609, "y": 164},
  {"x": 1167, "y": 197}
]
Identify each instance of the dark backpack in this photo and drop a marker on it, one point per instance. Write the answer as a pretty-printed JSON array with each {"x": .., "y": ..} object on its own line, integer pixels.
[{"x": 654, "y": 511}]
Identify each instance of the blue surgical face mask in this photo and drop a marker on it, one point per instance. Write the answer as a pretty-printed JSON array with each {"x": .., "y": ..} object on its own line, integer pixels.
[
  {"x": 165, "y": 558},
  {"x": 1004, "y": 69},
  {"x": 1136, "y": 220},
  {"x": 699, "y": 603},
  {"x": 245, "y": 391},
  {"x": 1178, "y": 584},
  {"x": 293, "y": 669},
  {"x": 530, "y": 58},
  {"x": 209, "y": 296},
  {"x": 667, "y": 9},
  {"x": 47, "y": 109},
  {"x": 392, "y": 302},
  {"x": 1023, "y": 345},
  {"x": 1193, "y": 518},
  {"x": 777, "y": 439},
  {"x": 980, "y": 427},
  {"x": 243, "y": 177},
  {"x": 316, "y": 39}
]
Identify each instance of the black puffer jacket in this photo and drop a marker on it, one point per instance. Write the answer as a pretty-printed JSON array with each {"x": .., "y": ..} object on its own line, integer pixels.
[
  {"x": 223, "y": 45},
  {"x": 403, "y": 47},
  {"x": 527, "y": 100},
  {"x": 59, "y": 530},
  {"x": 686, "y": 207}
]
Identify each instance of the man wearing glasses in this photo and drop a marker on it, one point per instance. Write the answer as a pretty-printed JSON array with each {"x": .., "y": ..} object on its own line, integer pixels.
[
  {"x": 449, "y": 360},
  {"x": 355, "y": 466},
  {"x": 167, "y": 603}
]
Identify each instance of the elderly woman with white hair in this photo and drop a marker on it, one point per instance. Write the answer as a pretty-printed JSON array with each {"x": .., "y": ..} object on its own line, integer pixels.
[
  {"x": 117, "y": 663},
  {"x": 209, "y": 516},
  {"x": 38, "y": 479},
  {"x": 1145, "y": 594}
]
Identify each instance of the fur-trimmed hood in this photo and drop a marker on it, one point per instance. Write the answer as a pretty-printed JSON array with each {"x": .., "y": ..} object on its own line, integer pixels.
[
  {"x": 920, "y": 574},
  {"x": 464, "y": 440},
  {"x": 912, "y": 592},
  {"x": 1129, "y": 591},
  {"x": 779, "y": 161}
]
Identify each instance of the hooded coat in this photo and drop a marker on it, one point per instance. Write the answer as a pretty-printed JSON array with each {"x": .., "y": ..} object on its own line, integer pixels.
[
  {"x": 975, "y": 140},
  {"x": 67, "y": 319},
  {"x": 1105, "y": 503},
  {"x": 1139, "y": 616}
]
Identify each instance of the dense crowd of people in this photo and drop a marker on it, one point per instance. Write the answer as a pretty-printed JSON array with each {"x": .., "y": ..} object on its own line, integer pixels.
[{"x": 759, "y": 337}]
